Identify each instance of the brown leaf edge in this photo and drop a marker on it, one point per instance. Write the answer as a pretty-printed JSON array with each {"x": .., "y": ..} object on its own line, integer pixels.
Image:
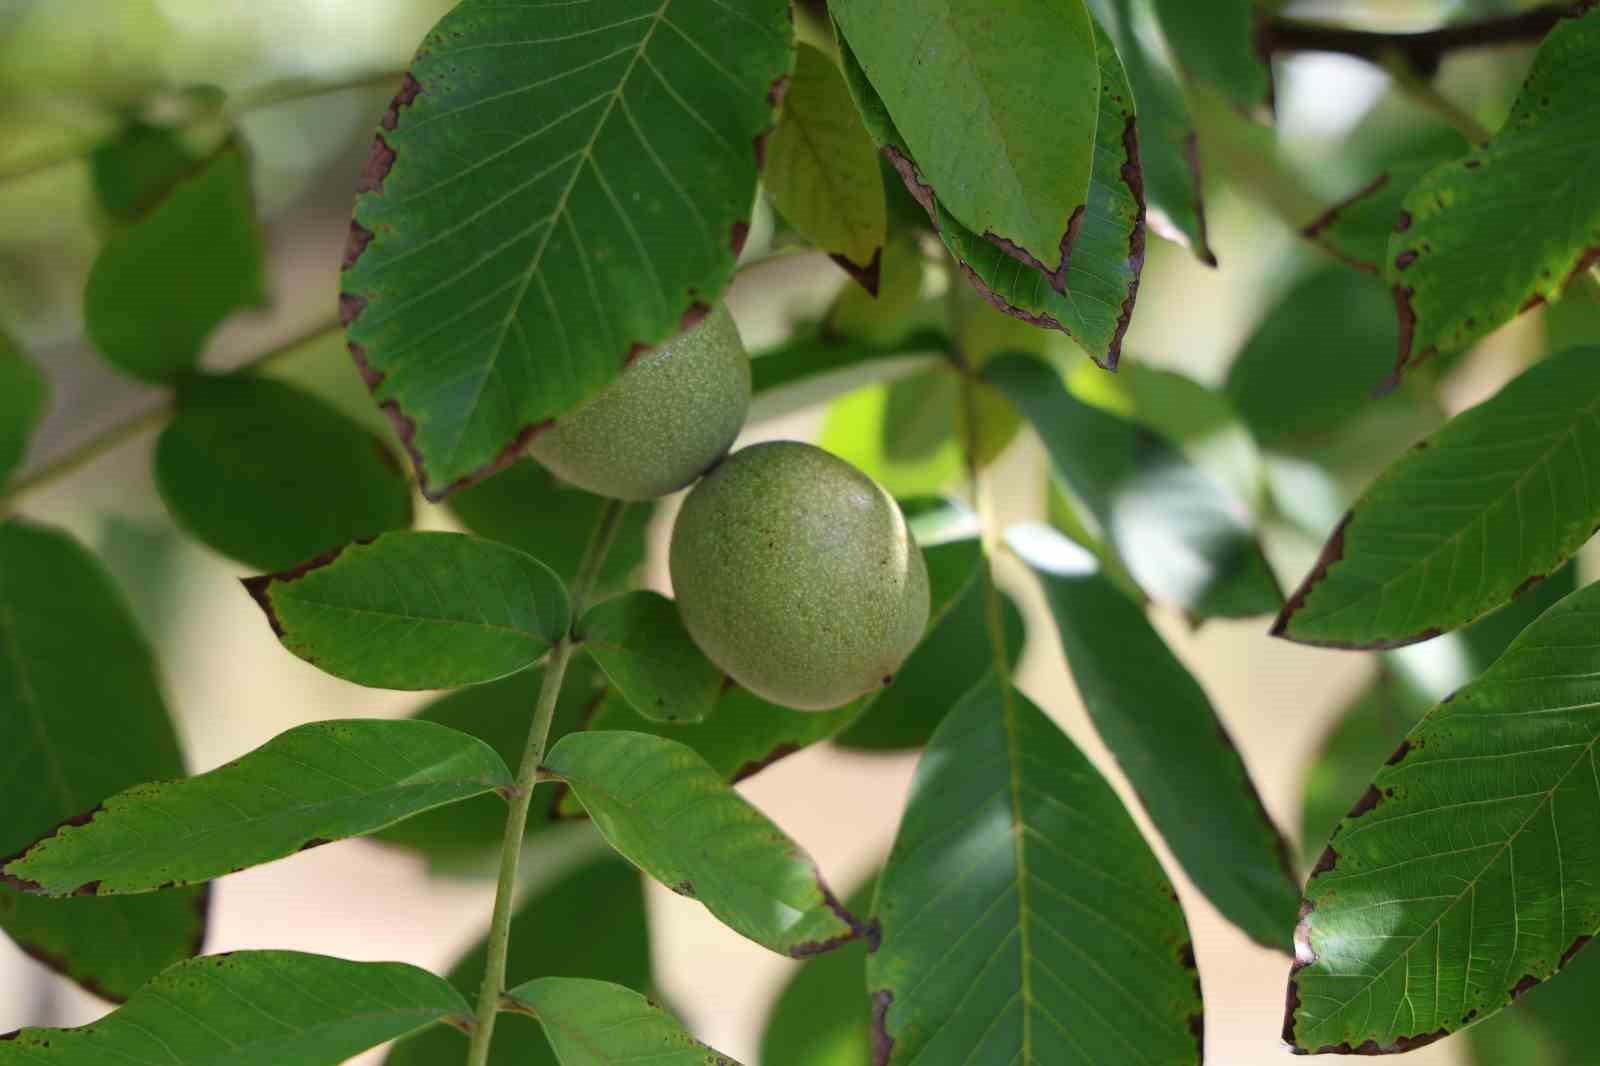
[
  {"x": 1131, "y": 173},
  {"x": 380, "y": 161},
  {"x": 1316, "y": 231}
]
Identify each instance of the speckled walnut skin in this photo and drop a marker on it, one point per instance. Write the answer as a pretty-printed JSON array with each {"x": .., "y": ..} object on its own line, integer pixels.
[
  {"x": 796, "y": 574},
  {"x": 669, "y": 417}
]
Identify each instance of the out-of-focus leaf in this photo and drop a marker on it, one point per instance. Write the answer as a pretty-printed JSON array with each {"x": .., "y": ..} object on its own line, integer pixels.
[
  {"x": 553, "y": 186},
  {"x": 1168, "y": 740},
  {"x": 822, "y": 169},
  {"x": 1554, "y": 1024},
  {"x": 674, "y": 816},
  {"x": 135, "y": 169},
  {"x": 163, "y": 283},
  {"x": 417, "y": 611},
  {"x": 272, "y": 476},
  {"x": 590, "y": 924},
  {"x": 1357, "y": 229},
  {"x": 1215, "y": 44},
  {"x": 58, "y": 611},
  {"x": 24, "y": 395},
  {"x": 1182, "y": 535},
  {"x": 315, "y": 784},
  {"x": 594, "y": 1023},
  {"x": 1496, "y": 500},
  {"x": 1024, "y": 919},
  {"x": 1505, "y": 227},
  {"x": 823, "y": 1017},
  {"x": 252, "y": 1008},
  {"x": 815, "y": 366},
  {"x": 1466, "y": 874},
  {"x": 897, "y": 310},
  {"x": 640, "y": 642},
  {"x": 1008, "y": 156}
]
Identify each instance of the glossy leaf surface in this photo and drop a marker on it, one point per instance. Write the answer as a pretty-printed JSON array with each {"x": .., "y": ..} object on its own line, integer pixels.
[
  {"x": 1168, "y": 740},
  {"x": 161, "y": 285},
  {"x": 1506, "y": 226},
  {"x": 1467, "y": 873},
  {"x": 555, "y": 185},
  {"x": 272, "y": 476},
  {"x": 671, "y": 814},
  {"x": 417, "y": 611},
  {"x": 315, "y": 784},
  {"x": 59, "y": 609},
  {"x": 1495, "y": 500},
  {"x": 1182, "y": 535},
  {"x": 1024, "y": 919},
  {"x": 251, "y": 1008}
]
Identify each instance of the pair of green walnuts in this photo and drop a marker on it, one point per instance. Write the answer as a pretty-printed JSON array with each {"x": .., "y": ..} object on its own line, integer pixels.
[{"x": 795, "y": 572}]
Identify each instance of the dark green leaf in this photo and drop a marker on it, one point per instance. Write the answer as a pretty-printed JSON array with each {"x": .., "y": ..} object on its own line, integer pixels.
[
  {"x": 58, "y": 612},
  {"x": 251, "y": 1008},
  {"x": 161, "y": 285},
  {"x": 1024, "y": 919},
  {"x": 272, "y": 476},
  {"x": 1091, "y": 296},
  {"x": 134, "y": 170},
  {"x": 823, "y": 1016},
  {"x": 822, "y": 169},
  {"x": 468, "y": 834},
  {"x": 640, "y": 642},
  {"x": 1181, "y": 534},
  {"x": 673, "y": 815},
  {"x": 1357, "y": 229},
  {"x": 589, "y": 924},
  {"x": 417, "y": 611},
  {"x": 1554, "y": 1024},
  {"x": 1505, "y": 227},
  {"x": 24, "y": 395},
  {"x": 1494, "y": 501},
  {"x": 526, "y": 507},
  {"x": 315, "y": 784},
  {"x": 1010, "y": 157},
  {"x": 554, "y": 186},
  {"x": 594, "y": 1023},
  {"x": 1167, "y": 140},
  {"x": 1168, "y": 740},
  {"x": 1468, "y": 872},
  {"x": 1317, "y": 358},
  {"x": 1215, "y": 44}
]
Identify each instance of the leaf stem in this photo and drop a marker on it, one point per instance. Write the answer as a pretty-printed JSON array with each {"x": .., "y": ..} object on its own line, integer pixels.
[
  {"x": 120, "y": 433},
  {"x": 1421, "y": 52},
  {"x": 528, "y": 778}
]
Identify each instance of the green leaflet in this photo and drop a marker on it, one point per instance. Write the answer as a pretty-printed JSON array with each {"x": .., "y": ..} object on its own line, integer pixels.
[
  {"x": 1554, "y": 1024},
  {"x": 134, "y": 170},
  {"x": 589, "y": 924},
  {"x": 823, "y": 1017},
  {"x": 1024, "y": 919},
  {"x": 466, "y": 836},
  {"x": 1091, "y": 299},
  {"x": 251, "y": 1008},
  {"x": 59, "y": 610},
  {"x": 162, "y": 284},
  {"x": 524, "y": 506},
  {"x": 1168, "y": 740},
  {"x": 1357, "y": 229},
  {"x": 1181, "y": 534},
  {"x": 554, "y": 186},
  {"x": 673, "y": 815},
  {"x": 822, "y": 169},
  {"x": 1508, "y": 225},
  {"x": 1495, "y": 500},
  {"x": 1467, "y": 873},
  {"x": 417, "y": 611},
  {"x": 996, "y": 102},
  {"x": 1215, "y": 43},
  {"x": 315, "y": 784},
  {"x": 594, "y": 1023},
  {"x": 1167, "y": 139},
  {"x": 272, "y": 476},
  {"x": 24, "y": 395},
  {"x": 640, "y": 642}
]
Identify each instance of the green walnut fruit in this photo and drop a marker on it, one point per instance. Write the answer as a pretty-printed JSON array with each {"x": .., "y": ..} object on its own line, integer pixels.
[
  {"x": 663, "y": 423},
  {"x": 796, "y": 574}
]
